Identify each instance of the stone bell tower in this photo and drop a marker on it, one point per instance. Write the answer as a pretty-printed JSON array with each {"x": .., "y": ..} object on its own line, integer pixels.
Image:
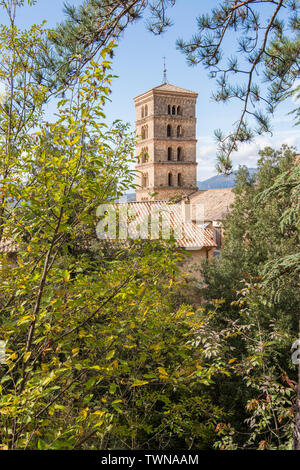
[{"x": 166, "y": 148}]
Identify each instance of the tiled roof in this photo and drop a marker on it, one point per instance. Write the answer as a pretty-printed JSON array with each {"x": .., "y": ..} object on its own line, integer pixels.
[
  {"x": 167, "y": 87},
  {"x": 189, "y": 235},
  {"x": 216, "y": 202},
  {"x": 172, "y": 88}
]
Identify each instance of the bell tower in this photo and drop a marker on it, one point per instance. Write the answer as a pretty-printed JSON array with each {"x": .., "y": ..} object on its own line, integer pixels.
[{"x": 166, "y": 148}]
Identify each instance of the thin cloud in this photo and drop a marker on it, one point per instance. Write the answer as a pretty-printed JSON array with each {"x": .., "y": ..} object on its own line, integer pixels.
[{"x": 248, "y": 153}]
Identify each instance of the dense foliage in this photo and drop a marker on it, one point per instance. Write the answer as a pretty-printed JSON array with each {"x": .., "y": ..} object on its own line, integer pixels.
[
  {"x": 103, "y": 349},
  {"x": 255, "y": 285},
  {"x": 261, "y": 69},
  {"x": 99, "y": 353}
]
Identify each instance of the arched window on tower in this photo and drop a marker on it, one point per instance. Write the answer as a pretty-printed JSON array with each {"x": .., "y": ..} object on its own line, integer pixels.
[
  {"x": 169, "y": 109},
  {"x": 179, "y": 154},
  {"x": 146, "y": 111},
  {"x": 174, "y": 110},
  {"x": 169, "y": 154},
  {"x": 179, "y": 179},
  {"x": 144, "y": 155},
  {"x": 170, "y": 179},
  {"x": 145, "y": 132},
  {"x": 169, "y": 131},
  {"x": 179, "y": 131},
  {"x": 179, "y": 111}
]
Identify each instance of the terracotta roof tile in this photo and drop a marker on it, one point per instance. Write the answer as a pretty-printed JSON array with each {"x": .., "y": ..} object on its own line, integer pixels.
[
  {"x": 216, "y": 202},
  {"x": 172, "y": 88},
  {"x": 189, "y": 235}
]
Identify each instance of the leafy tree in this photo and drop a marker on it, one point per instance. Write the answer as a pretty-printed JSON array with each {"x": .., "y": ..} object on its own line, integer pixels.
[
  {"x": 267, "y": 50},
  {"x": 98, "y": 354},
  {"x": 22, "y": 97},
  {"x": 279, "y": 271},
  {"x": 88, "y": 29},
  {"x": 267, "y": 45},
  {"x": 261, "y": 315}
]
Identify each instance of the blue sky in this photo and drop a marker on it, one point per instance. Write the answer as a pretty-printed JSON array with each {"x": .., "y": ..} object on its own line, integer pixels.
[{"x": 138, "y": 64}]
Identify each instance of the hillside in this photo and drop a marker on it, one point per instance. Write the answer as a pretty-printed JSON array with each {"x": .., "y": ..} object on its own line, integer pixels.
[{"x": 221, "y": 181}]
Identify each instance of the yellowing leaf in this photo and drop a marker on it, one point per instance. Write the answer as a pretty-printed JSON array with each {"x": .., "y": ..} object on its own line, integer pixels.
[
  {"x": 25, "y": 319},
  {"x": 145, "y": 312},
  {"x": 84, "y": 412},
  {"x": 99, "y": 423},
  {"x": 99, "y": 413},
  {"x": 110, "y": 355},
  {"x": 163, "y": 373},
  {"x": 190, "y": 314},
  {"x": 74, "y": 141},
  {"x": 26, "y": 356}
]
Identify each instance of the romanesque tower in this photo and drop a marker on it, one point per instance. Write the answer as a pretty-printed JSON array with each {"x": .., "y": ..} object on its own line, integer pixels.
[{"x": 166, "y": 149}]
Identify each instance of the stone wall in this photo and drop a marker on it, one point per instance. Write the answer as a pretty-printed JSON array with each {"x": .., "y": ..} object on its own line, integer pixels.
[
  {"x": 191, "y": 264},
  {"x": 166, "y": 108},
  {"x": 163, "y": 100},
  {"x": 187, "y": 172},
  {"x": 163, "y": 194}
]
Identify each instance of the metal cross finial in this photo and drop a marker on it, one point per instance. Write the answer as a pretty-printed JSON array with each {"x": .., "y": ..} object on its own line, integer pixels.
[{"x": 165, "y": 80}]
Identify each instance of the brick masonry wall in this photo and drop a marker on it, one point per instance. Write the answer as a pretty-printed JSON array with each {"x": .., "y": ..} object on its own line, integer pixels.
[
  {"x": 163, "y": 194},
  {"x": 191, "y": 264}
]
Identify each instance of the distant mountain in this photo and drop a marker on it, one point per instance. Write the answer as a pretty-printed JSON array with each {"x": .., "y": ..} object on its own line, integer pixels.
[
  {"x": 221, "y": 181},
  {"x": 131, "y": 197},
  {"x": 216, "y": 182}
]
